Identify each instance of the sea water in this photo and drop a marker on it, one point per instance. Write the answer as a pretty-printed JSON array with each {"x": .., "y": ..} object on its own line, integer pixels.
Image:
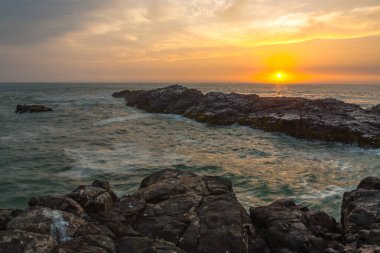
[{"x": 91, "y": 135}]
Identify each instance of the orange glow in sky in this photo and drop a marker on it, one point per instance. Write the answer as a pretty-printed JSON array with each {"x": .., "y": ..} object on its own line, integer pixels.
[{"x": 292, "y": 41}]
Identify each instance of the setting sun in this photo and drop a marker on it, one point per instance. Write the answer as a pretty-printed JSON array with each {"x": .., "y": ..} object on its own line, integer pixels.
[{"x": 279, "y": 76}]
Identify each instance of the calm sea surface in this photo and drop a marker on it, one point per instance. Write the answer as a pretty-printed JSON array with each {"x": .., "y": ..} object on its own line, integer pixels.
[{"x": 91, "y": 135}]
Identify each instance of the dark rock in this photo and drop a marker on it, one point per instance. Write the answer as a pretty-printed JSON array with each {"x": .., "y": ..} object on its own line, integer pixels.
[
  {"x": 361, "y": 207},
  {"x": 322, "y": 119},
  {"x": 178, "y": 211},
  {"x": 287, "y": 227},
  {"x": 58, "y": 203},
  {"x": 32, "y": 108},
  {"x": 135, "y": 245},
  {"x": 370, "y": 183},
  {"x": 120, "y": 229},
  {"x": 92, "y": 228},
  {"x": 197, "y": 214},
  {"x": 89, "y": 243},
  {"x": 360, "y": 216},
  {"x": 61, "y": 225},
  {"x": 18, "y": 241},
  {"x": 145, "y": 245},
  {"x": 6, "y": 215},
  {"x": 93, "y": 199}
]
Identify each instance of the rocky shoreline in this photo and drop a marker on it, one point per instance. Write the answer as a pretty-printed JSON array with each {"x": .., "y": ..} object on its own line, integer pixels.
[
  {"x": 320, "y": 119},
  {"x": 179, "y": 211}
]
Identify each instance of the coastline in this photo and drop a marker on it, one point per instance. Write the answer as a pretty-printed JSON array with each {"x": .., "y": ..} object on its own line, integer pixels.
[{"x": 178, "y": 211}]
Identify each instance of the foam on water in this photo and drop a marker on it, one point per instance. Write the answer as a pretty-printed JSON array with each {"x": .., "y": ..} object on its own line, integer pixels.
[
  {"x": 58, "y": 227},
  {"x": 121, "y": 119}
]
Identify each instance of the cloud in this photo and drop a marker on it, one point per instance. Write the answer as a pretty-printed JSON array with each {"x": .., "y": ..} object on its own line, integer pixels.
[
  {"x": 45, "y": 36},
  {"x": 24, "y": 22}
]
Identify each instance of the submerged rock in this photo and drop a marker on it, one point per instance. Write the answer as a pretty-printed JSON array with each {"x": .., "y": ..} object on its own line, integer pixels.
[
  {"x": 177, "y": 211},
  {"x": 322, "y": 119},
  {"x": 32, "y": 108}
]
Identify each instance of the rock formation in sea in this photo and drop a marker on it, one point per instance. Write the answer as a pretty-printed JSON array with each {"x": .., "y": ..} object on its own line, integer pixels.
[
  {"x": 322, "y": 119},
  {"x": 179, "y": 211},
  {"x": 32, "y": 108}
]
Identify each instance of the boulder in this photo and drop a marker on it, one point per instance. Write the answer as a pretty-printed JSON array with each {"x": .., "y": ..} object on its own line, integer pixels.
[
  {"x": 179, "y": 211},
  {"x": 58, "y": 203},
  {"x": 287, "y": 227},
  {"x": 60, "y": 225},
  {"x": 360, "y": 215},
  {"x": 94, "y": 198},
  {"x": 145, "y": 245},
  {"x": 88, "y": 243},
  {"x": 17, "y": 241},
  {"x": 7, "y": 215},
  {"x": 197, "y": 214}
]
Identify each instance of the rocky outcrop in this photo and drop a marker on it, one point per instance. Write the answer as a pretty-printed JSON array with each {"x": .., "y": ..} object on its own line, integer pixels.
[
  {"x": 288, "y": 227},
  {"x": 32, "y": 108},
  {"x": 360, "y": 216},
  {"x": 179, "y": 211},
  {"x": 198, "y": 214},
  {"x": 322, "y": 119}
]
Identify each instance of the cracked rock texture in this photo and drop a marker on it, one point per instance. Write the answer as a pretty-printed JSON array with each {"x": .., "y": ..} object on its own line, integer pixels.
[
  {"x": 322, "y": 119},
  {"x": 179, "y": 211}
]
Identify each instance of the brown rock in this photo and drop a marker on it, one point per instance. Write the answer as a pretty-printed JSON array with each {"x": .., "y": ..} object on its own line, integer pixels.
[
  {"x": 60, "y": 225},
  {"x": 17, "y": 241}
]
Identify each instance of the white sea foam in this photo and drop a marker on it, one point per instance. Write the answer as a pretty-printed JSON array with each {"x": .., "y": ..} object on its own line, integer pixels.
[
  {"x": 58, "y": 226},
  {"x": 321, "y": 194},
  {"x": 118, "y": 158},
  {"x": 180, "y": 118},
  {"x": 119, "y": 119}
]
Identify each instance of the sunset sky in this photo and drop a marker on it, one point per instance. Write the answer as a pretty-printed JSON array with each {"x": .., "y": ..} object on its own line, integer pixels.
[{"x": 326, "y": 41}]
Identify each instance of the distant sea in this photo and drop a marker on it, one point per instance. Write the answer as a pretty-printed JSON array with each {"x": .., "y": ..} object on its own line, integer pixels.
[{"x": 91, "y": 135}]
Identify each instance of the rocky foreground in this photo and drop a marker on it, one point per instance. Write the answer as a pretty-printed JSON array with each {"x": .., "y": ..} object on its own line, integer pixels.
[
  {"x": 178, "y": 211},
  {"x": 321, "y": 119}
]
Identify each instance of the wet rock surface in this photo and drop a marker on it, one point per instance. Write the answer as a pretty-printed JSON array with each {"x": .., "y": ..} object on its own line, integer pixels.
[
  {"x": 322, "y": 119},
  {"x": 179, "y": 211}
]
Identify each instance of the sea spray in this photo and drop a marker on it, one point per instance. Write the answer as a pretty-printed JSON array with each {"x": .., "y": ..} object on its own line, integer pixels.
[{"x": 58, "y": 225}]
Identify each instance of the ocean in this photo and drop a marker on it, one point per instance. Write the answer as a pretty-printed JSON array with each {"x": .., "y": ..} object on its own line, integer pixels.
[{"x": 91, "y": 135}]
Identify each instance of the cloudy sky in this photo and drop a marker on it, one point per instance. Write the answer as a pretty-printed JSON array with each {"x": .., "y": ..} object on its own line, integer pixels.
[{"x": 325, "y": 41}]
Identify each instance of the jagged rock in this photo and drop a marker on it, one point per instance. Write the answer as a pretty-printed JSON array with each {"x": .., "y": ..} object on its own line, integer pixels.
[
  {"x": 6, "y": 215},
  {"x": 119, "y": 229},
  {"x": 92, "y": 228},
  {"x": 61, "y": 225},
  {"x": 93, "y": 199},
  {"x": 197, "y": 214},
  {"x": 360, "y": 215},
  {"x": 322, "y": 119},
  {"x": 145, "y": 245},
  {"x": 18, "y": 241},
  {"x": 178, "y": 211},
  {"x": 287, "y": 227},
  {"x": 58, "y": 203},
  {"x": 89, "y": 243},
  {"x": 361, "y": 207},
  {"x": 32, "y": 108}
]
